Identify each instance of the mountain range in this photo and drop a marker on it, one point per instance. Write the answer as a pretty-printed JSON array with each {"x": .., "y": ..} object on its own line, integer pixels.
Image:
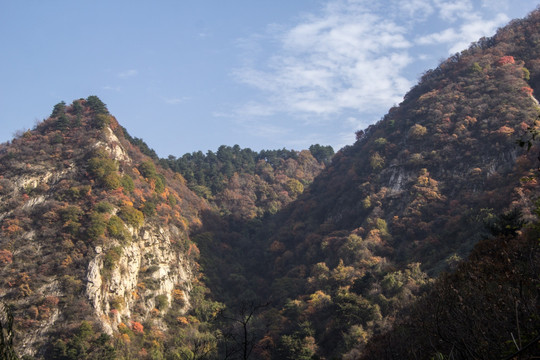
[{"x": 418, "y": 241}]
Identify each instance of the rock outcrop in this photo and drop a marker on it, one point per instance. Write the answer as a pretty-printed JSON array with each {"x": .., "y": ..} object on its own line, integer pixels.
[{"x": 92, "y": 230}]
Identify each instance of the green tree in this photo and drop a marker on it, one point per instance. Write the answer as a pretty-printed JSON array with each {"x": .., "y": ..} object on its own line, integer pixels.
[
  {"x": 322, "y": 153},
  {"x": 96, "y": 105},
  {"x": 59, "y": 109},
  {"x": 376, "y": 161}
]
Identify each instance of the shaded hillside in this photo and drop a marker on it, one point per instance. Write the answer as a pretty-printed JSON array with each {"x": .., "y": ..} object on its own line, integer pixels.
[
  {"x": 411, "y": 197},
  {"x": 489, "y": 308},
  {"x": 282, "y": 254},
  {"x": 95, "y": 246},
  {"x": 248, "y": 184},
  {"x": 431, "y": 164}
]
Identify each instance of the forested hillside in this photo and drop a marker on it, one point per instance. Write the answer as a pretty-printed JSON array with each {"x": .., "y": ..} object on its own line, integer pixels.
[
  {"x": 96, "y": 255},
  {"x": 420, "y": 240},
  {"x": 248, "y": 184},
  {"x": 408, "y": 201}
]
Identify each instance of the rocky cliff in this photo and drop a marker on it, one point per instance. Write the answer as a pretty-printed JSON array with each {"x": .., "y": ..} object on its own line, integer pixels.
[{"x": 91, "y": 229}]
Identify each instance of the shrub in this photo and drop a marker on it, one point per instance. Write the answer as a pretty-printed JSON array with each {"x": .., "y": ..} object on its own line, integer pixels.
[
  {"x": 117, "y": 229},
  {"x": 101, "y": 166},
  {"x": 112, "y": 256},
  {"x": 149, "y": 208},
  {"x": 104, "y": 207},
  {"x": 98, "y": 224},
  {"x": 6, "y": 257},
  {"x": 417, "y": 131},
  {"x": 148, "y": 169},
  {"x": 376, "y": 161},
  {"x": 127, "y": 183},
  {"x": 137, "y": 327},
  {"x": 112, "y": 181},
  {"x": 161, "y": 302},
  {"x": 117, "y": 302},
  {"x": 131, "y": 216},
  {"x": 100, "y": 121}
]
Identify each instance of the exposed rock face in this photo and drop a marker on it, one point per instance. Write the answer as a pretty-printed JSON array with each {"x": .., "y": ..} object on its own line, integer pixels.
[
  {"x": 86, "y": 236},
  {"x": 150, "y": 256},
  {"x": 114, "y": 147}
]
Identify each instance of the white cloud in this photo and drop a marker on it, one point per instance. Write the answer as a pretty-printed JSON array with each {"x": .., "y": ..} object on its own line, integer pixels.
[
  {"x": 112, "y": 88},
  {"x": 416, "y": 9},
  {"x": 352, "y": 59},
  {"x": 460, "y": 37},
  {"x": 128, "y": 73},
  {"x": 500, "y": 5},
  {"x": 176, "y": 100},
  {"x": 453, "y": 10},
  {"x": 345, "y": 58}
]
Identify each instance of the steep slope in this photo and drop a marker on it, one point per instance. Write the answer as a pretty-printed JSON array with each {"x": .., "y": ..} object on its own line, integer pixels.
[
  {"x": 248, "y": 184},
  {"x": 409, "y": 199},
  {"x": 489, "y": 308},
  {"x": 98, "y": 260},
  {"x": 95, "y": 238}
]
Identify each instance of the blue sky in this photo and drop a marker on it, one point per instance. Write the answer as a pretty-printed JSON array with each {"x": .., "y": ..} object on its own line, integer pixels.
[{"x": 194, "y": 75}]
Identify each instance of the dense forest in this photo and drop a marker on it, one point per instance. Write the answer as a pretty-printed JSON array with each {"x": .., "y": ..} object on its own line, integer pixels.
[{"x": 418, "y": 241}]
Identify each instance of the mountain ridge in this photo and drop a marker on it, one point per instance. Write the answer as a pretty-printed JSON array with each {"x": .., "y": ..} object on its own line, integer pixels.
[{"x": 107, "y": 254}]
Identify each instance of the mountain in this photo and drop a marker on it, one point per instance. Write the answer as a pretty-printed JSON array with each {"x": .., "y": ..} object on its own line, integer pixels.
[
  {"x": 420, "y": 240},
  {"x": 96, "y": 248},
  {"x": 407, "y": 202},
  {"x": 95, "y": 237}
]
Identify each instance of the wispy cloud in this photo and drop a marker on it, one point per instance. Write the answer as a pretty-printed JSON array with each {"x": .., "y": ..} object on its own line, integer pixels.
[
  {"x": 128, "y": 73},
  {"x": 353, "y": 57},
  {"x": 112, "y": 88},
  {"x": 468, "y": 25},
  {"x": 345, "y": 58},
  {"x": 176, "y": 100},
  {"x": 453, "y": 10}
]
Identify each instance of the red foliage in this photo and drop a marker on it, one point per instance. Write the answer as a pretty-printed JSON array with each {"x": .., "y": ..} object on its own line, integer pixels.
[
  {"x": 527, "y": 90},
  {"x": 137, "y": 327},
  {"x": 506, "y": 60},
  {"x": 6, "y": 257},
  {"x": 51, "y": 301}
]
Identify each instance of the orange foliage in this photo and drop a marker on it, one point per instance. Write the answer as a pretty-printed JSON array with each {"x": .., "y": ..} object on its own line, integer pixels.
[
  {"x": 182, "y": 320},
  {"x": 527, "y": 90},
  {"x": 505, "y": 130},
  {"x": 66, "y": 262},
  {"x": 12, "y": 227},
  {"x": 6, "y": 257},
  {"x": 506, "y": 60},
  {"x": 51, "y": 301},
  {"x": 137, "y": 327},
  {"x": 178, "y": 295},
  {"x": 138, "y": 195}
]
